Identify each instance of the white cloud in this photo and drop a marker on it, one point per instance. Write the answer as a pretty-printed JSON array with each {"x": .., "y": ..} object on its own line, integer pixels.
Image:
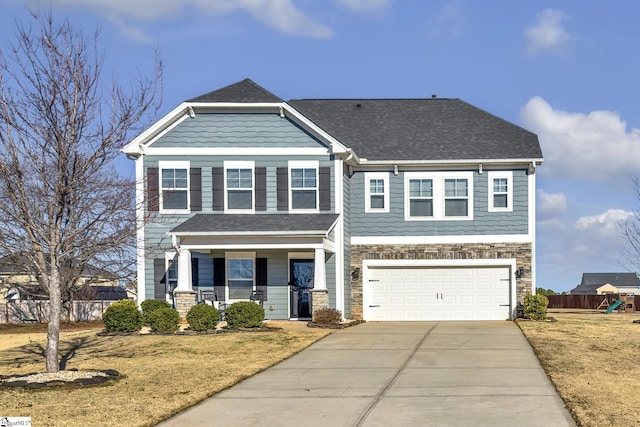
[
  {"x": 596, "y": 145},
  {"x": 364, "y": 5},
  {"x": 281, "y": 15},
  {"x": 449, "y": 22},
  {"x": 548, "y": 34},
  {"x": 606, "y": 224},
  {"x": 551, "y": 204}
]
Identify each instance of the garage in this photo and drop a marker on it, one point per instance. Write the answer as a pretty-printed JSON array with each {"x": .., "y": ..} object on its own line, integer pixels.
[{"x": 414, "y": 293}]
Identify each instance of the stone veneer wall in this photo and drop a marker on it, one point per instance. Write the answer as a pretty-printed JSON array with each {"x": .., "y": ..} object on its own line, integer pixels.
[
  {"x": 319, "y": 300},
  {"x": 520, "y": 251}
]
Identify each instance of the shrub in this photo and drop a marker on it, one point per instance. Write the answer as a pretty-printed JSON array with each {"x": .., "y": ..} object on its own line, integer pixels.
[
  {"x": 244, "y": 314},
  {"x": 327, "y": 316},
  {"x": 202, "y": 317},
  {"x": 164, "y": 320},
  {"x": 535, "y": 307},
  {"x": 122, "y": 316},
  {"x": 150, "y": 305}
]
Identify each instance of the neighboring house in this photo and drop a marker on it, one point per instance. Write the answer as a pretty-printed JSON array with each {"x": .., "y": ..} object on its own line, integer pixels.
[
  {"x": 17, "y": 284},
  {"x": 607, "y": 283},
  {"x": 385, "y": 209}
]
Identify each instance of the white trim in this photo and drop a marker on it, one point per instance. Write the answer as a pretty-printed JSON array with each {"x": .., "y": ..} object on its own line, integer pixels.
[
  {"x": 140, "y": 223},
  {"x": 438, "y": 180},
  {"x": 466, "y": 263},
  {"x": 453, "y": 162},
  {"x": 508, "y": 175},
  {"x": 136, "y": 145},
  {"x": 233, "y": 164},
  {"x": 532, "y": 229},
  {"x": 304, "y": 164},
  {"x": 339, "y": 235},
  {"x": 230, "y": 151},
  {"x": 299, "y": 255},
  {"x": 368, "y": 176},
  {"x": 256, "y": 246},
  {"x": 174, "y": 164},
  {"x": 237, "y": 255},
  {"x": 431, "y": 240},
  {"x": 305, "y": 233}
]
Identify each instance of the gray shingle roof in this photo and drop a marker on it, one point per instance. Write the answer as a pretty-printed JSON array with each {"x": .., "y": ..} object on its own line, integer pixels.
[
  {"x": 615, "y": 279},
  {"x": 259, "y": 224},
  {"x": 244, "y": 91},
  {"x": 419, "y": 129}
]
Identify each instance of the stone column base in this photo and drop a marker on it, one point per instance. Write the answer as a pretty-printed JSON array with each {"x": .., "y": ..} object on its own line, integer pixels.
[
  {"x": 319, "y": 300},
  {"x": 184, "y": 301}
]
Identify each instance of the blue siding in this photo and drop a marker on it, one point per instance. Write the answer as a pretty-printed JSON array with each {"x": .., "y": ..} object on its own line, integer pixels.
[
  {"x": 237, "y": 130},
  {"x": 483, "y": 223}
]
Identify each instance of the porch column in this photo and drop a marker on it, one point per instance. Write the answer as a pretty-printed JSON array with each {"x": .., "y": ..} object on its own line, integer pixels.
[
  {"x": 320, "y": 275},
  {"x": 184, "y": 271},
  {"x": 185, "y": 297}
]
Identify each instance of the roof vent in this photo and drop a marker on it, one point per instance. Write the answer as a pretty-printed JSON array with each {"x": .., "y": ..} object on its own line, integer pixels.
[
  {"x": 358, "y": 105},
  {"x": 434, "y": 96}
]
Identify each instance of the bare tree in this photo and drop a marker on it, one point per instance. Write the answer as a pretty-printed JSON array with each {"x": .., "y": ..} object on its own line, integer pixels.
[
  {"x": 63, "y": 205},
  {"x": 631, "y": 233}
]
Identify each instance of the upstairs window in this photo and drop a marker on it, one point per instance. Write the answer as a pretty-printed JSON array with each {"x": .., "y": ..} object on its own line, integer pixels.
[
  {"x": 174, "y": 182},
  {"x": 239, "y": 185},
  {"x": 421, "y": 198},
  {"x": 500, "y": 191},
  {"x": 303, "y": 185},
  {"x": 376, "y": 192},
  {"x": 456, "y": 197},
  {"x": 438, "y": 196}
]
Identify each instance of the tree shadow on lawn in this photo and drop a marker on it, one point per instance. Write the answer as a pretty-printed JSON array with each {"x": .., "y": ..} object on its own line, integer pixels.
[{"x": 89, "y": 347}]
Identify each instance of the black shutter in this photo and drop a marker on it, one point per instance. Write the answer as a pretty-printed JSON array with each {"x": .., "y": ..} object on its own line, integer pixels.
[
  {"x": 153, "y": 190},
  {"x": 195, "y": 175},
  {"x": 219, "y": 278},
  {"x": 282, "y": 180},
  {"x": 261, "y": 189},
  {"x": 159, "y": 281},
  {"x": 324, "y": 187},
  {"x": 261, "y": 276},
  {"x": 218, "y": 189},
  {"x": 194, "y": 272}
]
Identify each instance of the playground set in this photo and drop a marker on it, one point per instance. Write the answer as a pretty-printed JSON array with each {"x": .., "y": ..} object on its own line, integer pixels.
[{"x": 621, "y": 302}]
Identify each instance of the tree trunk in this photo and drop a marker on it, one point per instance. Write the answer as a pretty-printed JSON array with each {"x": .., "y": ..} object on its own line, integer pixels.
[{"x": 53, "y": 328}]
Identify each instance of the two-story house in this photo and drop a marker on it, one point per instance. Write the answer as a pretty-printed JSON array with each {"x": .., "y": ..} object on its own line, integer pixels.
[{"x": 385, "y": 209}]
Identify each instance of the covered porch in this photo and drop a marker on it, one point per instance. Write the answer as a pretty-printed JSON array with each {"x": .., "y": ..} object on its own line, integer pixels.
[{"x": 288, "y": 260}]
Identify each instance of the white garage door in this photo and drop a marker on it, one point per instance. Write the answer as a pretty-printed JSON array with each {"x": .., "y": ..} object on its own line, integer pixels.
[{"x": 435, "y": 293}]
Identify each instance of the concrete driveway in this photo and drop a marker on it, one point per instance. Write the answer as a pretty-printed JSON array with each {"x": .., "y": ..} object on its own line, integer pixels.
[{"x": 396, "y": 374}]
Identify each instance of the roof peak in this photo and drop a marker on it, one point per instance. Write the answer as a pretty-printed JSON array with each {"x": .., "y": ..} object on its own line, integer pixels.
[{"x": 244, "y": 91}]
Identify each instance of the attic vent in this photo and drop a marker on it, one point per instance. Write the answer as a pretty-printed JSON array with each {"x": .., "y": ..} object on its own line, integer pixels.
[
  {"x": 434, "y": 96},
  {"x": 358, "y": 105}
]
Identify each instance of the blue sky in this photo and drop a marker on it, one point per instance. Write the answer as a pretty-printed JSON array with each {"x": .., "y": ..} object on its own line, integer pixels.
[{"x": 566, "y": 70}]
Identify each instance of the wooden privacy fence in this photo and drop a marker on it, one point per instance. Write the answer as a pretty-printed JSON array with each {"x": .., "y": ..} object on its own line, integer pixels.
[
  {"x": 38, "y": 311},
  {"x": 591, "y": 302}
]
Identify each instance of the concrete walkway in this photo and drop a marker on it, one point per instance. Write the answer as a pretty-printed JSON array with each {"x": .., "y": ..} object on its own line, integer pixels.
[{"x": 396, "y": 374}]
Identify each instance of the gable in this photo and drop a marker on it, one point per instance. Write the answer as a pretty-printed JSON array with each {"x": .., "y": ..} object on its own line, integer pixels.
[{"x": 228, "y": 130}]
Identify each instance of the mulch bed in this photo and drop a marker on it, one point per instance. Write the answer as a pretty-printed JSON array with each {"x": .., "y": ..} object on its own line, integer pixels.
[
  {"x": 6, "y": 381},
  {"x": 334, "y": 325}
]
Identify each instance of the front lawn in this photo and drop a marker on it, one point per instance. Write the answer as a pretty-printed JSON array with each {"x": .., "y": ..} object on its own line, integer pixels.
[
  {"x": 594, "y": 361},
  {"x": 164, "y": 374}
]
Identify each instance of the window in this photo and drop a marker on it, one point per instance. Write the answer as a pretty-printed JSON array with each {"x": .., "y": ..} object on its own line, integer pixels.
[
  {"x": 438, "y": 196},
  {"x": 456, "y": 197},
  {"x": 240, "y": 275},
  {"x": 171, "y": 275},
  {"x": 304, "y": 185},
  {"x": 174, "y": 182},
  {"x": 376, "y": 192},
  {"x": 500, "y": 191},
  {"x": 239, "y": 185},
  {"x": 421, "y": 197}
]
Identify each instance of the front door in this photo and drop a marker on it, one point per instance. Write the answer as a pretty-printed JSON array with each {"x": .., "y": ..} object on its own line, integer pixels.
[{"x": 301, "y": 280}]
